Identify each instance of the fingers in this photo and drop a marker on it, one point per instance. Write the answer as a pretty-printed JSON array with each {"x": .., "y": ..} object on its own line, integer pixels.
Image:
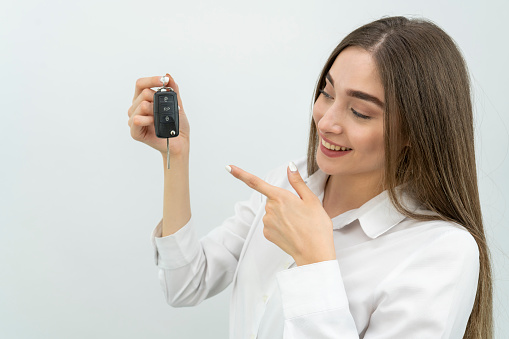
[
  {"x": 298, "y": 183},
  {"x": 144, "y": 109},
  {"x": 141, "y": 120},
  {"x": 146, "y": 95},
  {"x": 143, "y": 91},
  {"x": 254, "y": 182},
  {"x": 143, "y": 83}
]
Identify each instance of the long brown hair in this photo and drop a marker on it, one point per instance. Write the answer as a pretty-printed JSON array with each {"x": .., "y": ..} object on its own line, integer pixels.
[{"x": 428, "y": 133}]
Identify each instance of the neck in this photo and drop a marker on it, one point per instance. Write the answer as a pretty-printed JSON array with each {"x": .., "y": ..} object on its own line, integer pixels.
[{"x": 344, "y": 193}]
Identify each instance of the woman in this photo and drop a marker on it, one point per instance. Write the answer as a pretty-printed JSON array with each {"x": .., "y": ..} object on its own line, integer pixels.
[{"x": 377, "y": 233}]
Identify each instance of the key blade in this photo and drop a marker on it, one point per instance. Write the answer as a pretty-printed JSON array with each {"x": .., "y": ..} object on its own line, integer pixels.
[{"x": 168, "y": 151}]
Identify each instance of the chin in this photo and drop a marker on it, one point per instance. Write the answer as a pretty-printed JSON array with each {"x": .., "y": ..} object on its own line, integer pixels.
[{"x": 326, "y": 164}]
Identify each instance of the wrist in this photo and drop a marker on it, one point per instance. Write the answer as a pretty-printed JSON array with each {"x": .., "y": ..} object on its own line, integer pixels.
[
  {"x": 309, "y": 261},
  {"x": 183, "y": 156},
  {"x": 314, "y": 257}
]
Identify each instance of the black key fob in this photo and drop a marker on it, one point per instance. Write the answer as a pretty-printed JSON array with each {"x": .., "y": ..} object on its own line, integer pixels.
[{"x": 166, "y": 113}]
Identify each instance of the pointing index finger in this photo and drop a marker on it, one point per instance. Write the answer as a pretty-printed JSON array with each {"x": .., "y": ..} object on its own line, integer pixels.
[{"x": 254, "y": 182}]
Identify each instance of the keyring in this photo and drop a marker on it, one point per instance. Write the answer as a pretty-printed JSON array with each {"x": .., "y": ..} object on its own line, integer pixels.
[{"x": 165, "y": 80}]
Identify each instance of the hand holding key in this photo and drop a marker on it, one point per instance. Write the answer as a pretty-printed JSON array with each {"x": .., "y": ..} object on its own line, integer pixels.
[{"x": 141, "y": 118}]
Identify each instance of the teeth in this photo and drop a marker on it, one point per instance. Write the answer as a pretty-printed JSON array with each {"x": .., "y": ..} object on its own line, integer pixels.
[{"x": 334, "y": 147}]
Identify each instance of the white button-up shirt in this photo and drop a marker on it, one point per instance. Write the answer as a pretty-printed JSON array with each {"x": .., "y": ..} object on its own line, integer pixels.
[{"x": 394, "y": 277}]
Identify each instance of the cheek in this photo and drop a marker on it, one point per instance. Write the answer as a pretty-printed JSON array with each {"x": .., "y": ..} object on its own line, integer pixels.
[{"x": 370, "y": 142}]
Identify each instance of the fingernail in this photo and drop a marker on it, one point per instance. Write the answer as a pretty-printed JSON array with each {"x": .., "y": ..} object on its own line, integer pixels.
[
  {"x": 228, "y": 168},
  {"x": 292, "y": 166}
]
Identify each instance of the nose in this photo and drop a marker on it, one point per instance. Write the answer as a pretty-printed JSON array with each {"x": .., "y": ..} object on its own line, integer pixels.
[{"x": 331, "y": 121}]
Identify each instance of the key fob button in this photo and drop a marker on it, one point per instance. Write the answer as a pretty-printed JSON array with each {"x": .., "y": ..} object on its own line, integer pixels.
[
  {"x": 165, "y": 99},
  {"x": 167, "y": 119}
]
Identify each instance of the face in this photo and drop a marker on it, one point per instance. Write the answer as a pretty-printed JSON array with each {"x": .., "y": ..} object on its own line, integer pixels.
[{"x": 349, "y": 117}]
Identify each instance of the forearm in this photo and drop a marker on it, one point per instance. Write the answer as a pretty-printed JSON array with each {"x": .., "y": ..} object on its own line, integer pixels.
[{"x": 176, "y": 201}]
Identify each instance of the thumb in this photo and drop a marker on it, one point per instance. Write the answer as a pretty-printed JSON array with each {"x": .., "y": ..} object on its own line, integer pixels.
[{"x": 297, "y": 183}]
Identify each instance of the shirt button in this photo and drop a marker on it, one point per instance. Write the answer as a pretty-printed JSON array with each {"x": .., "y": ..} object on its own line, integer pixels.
[
  {"x": 265, "y": 297},
  {"x": 253, "y": 336}
]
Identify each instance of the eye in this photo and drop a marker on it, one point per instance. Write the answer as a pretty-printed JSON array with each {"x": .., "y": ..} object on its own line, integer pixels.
[
  {"x": 360, "y": 115},
  {"x": 324, "y": 93}
]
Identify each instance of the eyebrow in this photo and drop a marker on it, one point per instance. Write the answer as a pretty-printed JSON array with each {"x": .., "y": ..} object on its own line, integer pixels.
[{"x": 359, "y": 94}]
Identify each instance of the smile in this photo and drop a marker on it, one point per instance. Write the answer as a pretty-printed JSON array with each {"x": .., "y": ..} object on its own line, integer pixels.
[{"x": 334, "y": 147}]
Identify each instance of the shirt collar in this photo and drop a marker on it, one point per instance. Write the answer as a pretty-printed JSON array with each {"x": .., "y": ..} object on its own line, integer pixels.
[{"x": 376, "y": 216}]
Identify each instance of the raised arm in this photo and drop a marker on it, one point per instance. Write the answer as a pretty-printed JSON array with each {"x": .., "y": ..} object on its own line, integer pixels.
[{"x": 176, "y": 201}]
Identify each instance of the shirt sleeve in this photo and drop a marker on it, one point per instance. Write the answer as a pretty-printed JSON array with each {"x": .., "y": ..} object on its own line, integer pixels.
[
  {"x": 429, "y": 295},
  {"x": 192, "y": 269}
]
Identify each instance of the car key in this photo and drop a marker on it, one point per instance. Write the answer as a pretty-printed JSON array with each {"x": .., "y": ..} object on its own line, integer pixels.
[{"x": 166, "y": 114}]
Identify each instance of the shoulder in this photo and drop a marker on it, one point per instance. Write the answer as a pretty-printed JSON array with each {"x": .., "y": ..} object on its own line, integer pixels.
[
  {"x": 452, "y": 236},
  {"x": 428, "y": 241},
  {"x": 442, "y": 241},
  {"x": 424, "y": 233}
]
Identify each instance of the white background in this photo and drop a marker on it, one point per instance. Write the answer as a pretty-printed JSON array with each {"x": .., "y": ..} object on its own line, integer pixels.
[{"x": 79, "y": 197}]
